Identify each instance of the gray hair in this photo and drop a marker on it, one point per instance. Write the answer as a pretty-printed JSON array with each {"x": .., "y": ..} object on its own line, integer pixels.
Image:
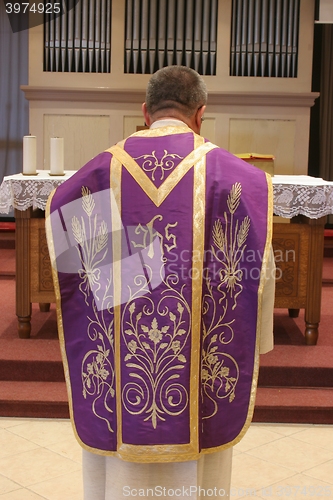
[{"x": 176, "y": 87}]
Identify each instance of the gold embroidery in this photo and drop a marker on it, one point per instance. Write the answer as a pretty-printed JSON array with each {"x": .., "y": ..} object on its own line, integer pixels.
[
  {"x": 158, "y": 195},
  {"x": 170, "y": 236},
  {"x": 219, "y": 370},
  {"x": 97, "y": 369},
  {"x": 231, "y": 244},
  {"x": 155, "y": 338},
  {"x": 151, "y": 163},
  {"x": 149, "y": 234},
  {"x": 162, "y": 131},
  {"x": 199, "y": 210},
  {"x": 263, "y": 277},
  {"x": 116, "y": 213},
  {"x": 157, "y": 453},
  {"x": 98, "y": 372},
  {"x": 90, "y": 246}
]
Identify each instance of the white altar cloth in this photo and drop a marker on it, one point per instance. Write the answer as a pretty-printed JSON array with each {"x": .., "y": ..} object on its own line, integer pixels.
[
  {"x": 293, "y": 194},
  {"x": 20, "y": 191},
  {"x": 302, "y": 195}
]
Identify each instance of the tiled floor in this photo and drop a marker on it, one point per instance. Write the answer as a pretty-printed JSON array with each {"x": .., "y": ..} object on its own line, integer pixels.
[{"x": 40, "y": 459}]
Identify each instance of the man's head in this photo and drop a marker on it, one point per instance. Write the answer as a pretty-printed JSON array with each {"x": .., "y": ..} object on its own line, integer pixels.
[{"x": 176, "y": 92}]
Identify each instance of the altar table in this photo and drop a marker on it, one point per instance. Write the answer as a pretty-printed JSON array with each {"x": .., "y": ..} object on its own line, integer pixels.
[{"x": 298, "y": 246}]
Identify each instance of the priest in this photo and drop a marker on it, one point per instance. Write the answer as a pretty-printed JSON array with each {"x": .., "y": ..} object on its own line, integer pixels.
[{"x": 164, "y": 279}]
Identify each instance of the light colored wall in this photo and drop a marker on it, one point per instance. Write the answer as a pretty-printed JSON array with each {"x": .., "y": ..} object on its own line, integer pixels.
[
  {"x": 86, "y": 136},
  {"x": 93, "y": 111}
]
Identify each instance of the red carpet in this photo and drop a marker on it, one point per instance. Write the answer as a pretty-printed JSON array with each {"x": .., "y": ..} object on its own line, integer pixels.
[{"x": 295, "y": 380}]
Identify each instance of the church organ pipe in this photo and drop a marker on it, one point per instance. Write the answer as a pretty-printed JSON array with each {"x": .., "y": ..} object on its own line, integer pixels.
[{"x": 264, "y": 38}]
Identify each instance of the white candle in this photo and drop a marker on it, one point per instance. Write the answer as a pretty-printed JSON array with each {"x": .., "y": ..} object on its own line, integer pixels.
[
  {"x": 57, "y": 156},
  {"x": 29, "y": 155}
]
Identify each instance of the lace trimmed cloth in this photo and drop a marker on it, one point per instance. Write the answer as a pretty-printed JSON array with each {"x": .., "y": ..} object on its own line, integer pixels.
[
  {"x": 293, "y": 194},
  {"x": 302, "y": 195},
  {"x": 24, "y": 191}
]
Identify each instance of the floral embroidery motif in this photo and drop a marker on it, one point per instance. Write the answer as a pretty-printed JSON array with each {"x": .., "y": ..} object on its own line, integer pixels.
[
  {"x": 219, "y": 370},
  {"x": 155, "y": 333},
  {"x": 97, "y": 372},
  {"x": 151, "y": 163}
]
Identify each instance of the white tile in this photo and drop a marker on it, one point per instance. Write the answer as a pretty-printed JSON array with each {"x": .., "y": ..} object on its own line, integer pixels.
[
  {"x": 21, "y": 494},
  {"x": 298, "y": 487},
  {"x": 319, "y": 436},
  {"x": 252, "y": 474},
  {"x": 10, "y": 422},
  {"x": 292, "y": 453},
  {"x": 68, "y": 448},
  {"x": 6, "y": 485},
  {"x": 10, "y": 444},
  {"x": 324, "y": 472},
  {"x": 68, "y": 486},
  {"x": 256, "y": 436},
  {"x": 283, "y": 429},
  {"x": 44, "y": 432},
  {"x": 36, "y": 466},
  {"x": 271, "y": 458}
]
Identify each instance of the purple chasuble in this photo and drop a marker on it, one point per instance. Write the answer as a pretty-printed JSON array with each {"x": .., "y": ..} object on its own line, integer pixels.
[{"x": 159, "y": 248}]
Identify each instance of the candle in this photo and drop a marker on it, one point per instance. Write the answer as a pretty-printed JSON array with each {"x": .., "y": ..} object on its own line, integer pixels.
[
  {"x": 57, "y": 156},
  {"x": 29, "y": 155}
]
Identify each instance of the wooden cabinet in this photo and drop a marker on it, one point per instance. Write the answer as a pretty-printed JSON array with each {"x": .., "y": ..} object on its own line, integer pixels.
[{"x": 298, "y": 249}]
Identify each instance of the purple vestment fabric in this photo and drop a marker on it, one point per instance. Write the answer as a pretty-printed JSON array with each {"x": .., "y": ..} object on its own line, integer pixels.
[{"x": 128, "y": 299}]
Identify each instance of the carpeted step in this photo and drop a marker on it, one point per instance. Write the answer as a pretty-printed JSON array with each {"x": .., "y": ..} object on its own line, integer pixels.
[
  {"x": 294, "y": 366},
  {"x": 294, "y": 405},
  {"x": 7, "y": 226},
  {"x": 33, "y": 399},
  {"x": 29, "y": 371},
  {"x": 290, "y": 376},
  {"x": 31, "y": 360},
  {"x": 7, "y": 263},
  {"x": 7, "y": 235}
]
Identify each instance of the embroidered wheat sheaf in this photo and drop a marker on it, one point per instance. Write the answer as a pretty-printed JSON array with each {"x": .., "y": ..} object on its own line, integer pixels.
[
  {"x": 220, "y": 370},
  {"x": 97, "y": 372}
]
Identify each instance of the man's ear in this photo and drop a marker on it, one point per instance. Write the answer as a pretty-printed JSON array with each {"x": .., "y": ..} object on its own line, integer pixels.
[
  {"x": 199, "y": 116},
  {"x": 202, "y": 112},
  {"x": 146, "y": 115}
]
